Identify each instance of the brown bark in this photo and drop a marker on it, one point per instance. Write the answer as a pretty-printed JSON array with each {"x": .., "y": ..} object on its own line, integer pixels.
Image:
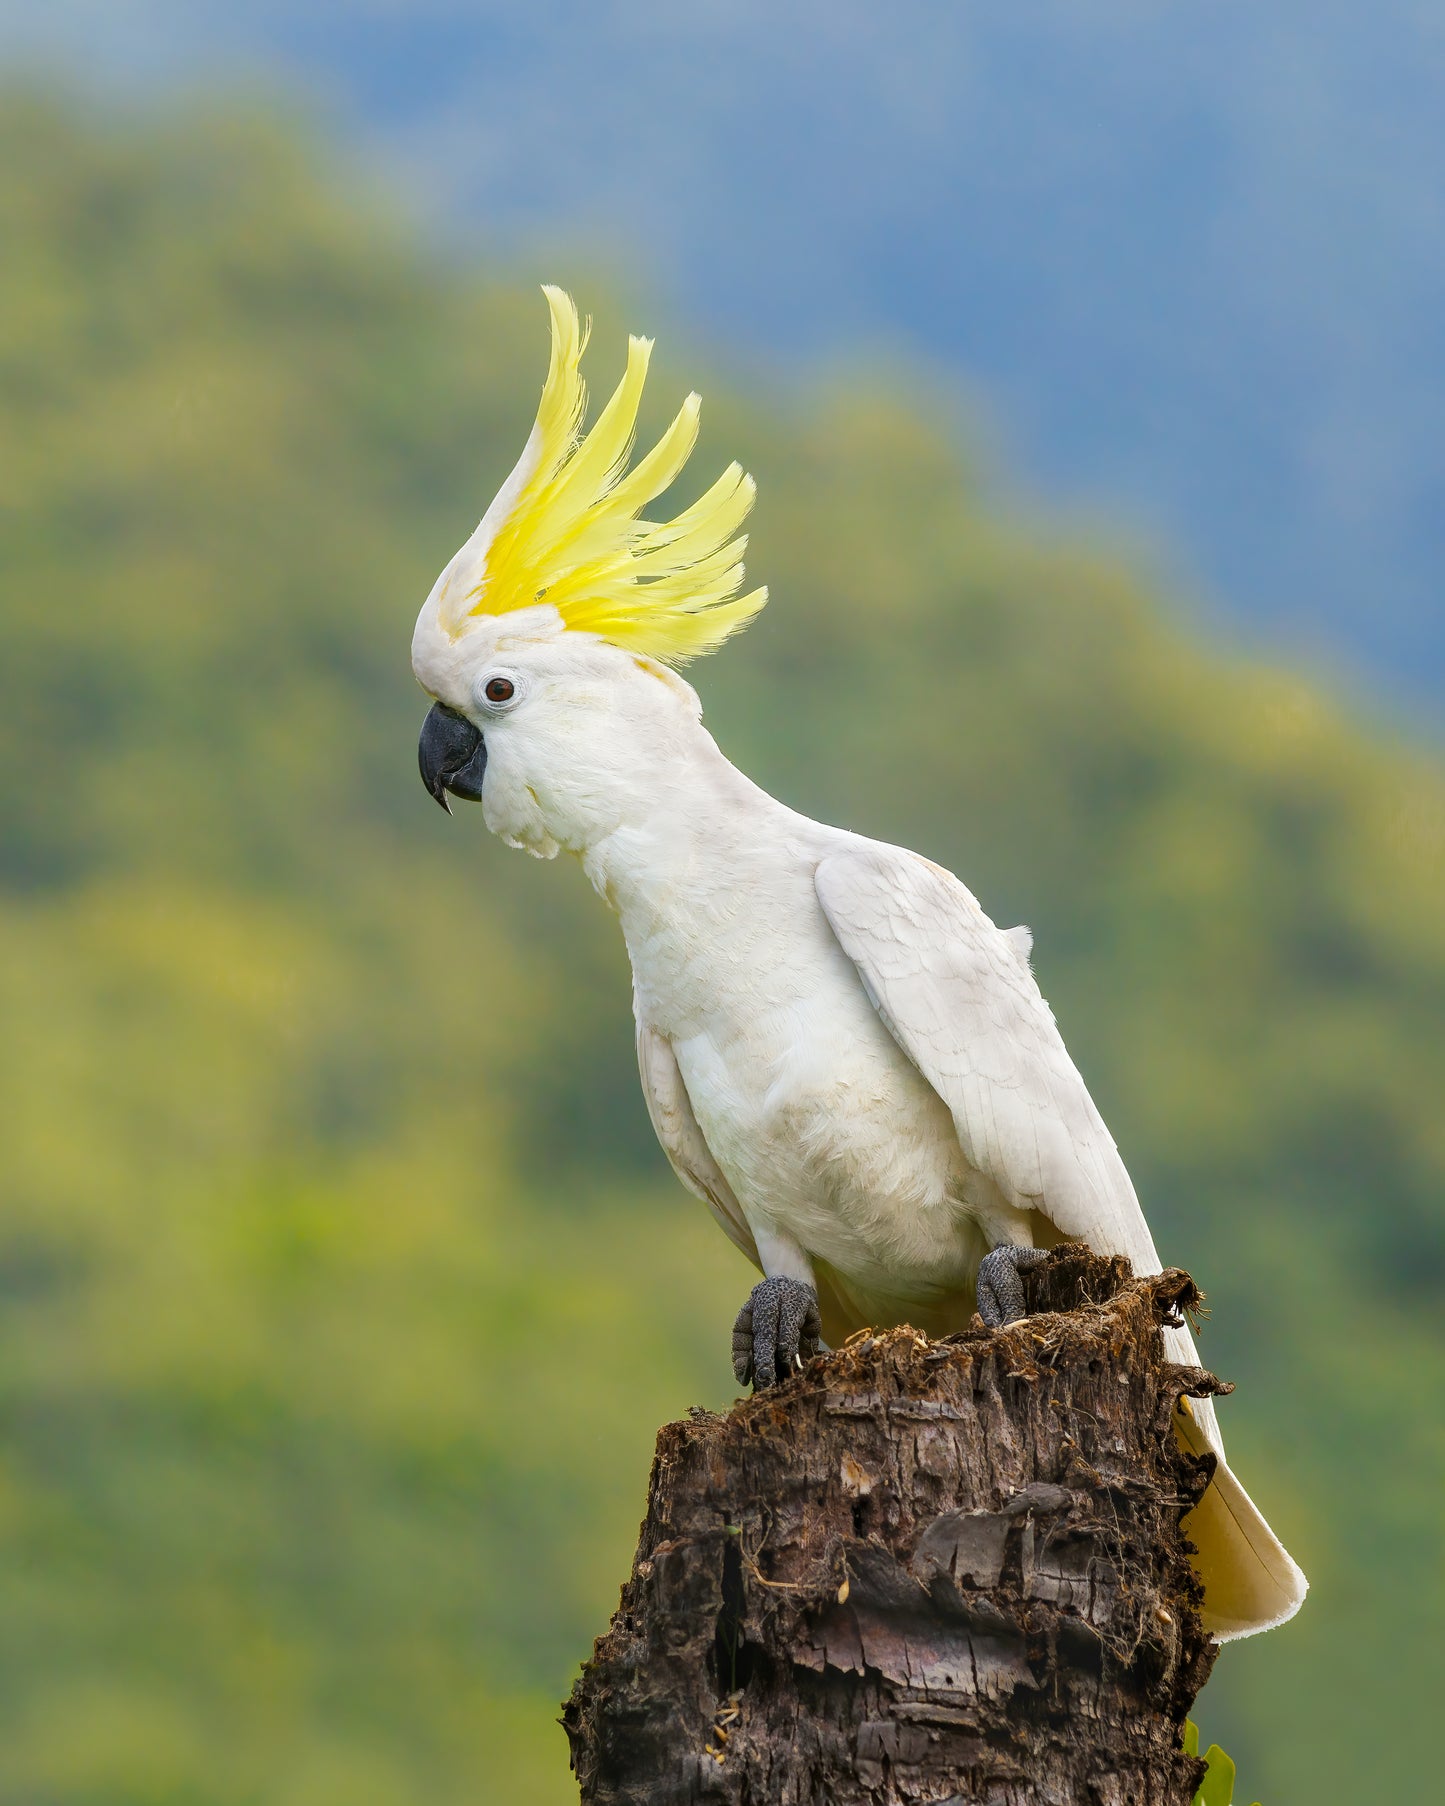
[{"x": 920, "y": 1572}]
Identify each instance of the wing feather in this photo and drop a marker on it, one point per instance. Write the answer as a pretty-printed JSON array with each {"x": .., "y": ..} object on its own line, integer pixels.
[
  {"x": 957, "y": 995},
  {"x": 676, "y": 1127}
]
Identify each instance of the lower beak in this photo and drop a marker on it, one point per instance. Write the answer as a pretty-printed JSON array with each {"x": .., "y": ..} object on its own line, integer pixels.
[{"x": 452, "y": 755}]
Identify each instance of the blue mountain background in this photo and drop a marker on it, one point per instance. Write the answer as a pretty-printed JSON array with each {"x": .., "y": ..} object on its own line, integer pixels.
[{"x": 1185, "y": 262}]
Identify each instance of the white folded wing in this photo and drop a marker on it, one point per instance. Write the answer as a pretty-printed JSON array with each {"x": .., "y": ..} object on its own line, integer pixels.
[{"x": 676, "y": 1128}]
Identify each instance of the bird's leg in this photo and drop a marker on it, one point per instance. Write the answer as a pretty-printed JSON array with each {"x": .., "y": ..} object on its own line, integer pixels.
[
  {"x": 776, "y": 1331},
  {"x": 1000, "y": 1290}
]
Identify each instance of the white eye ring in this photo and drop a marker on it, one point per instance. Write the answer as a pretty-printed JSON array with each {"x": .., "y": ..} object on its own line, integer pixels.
[{"x": 499, "y": 691}]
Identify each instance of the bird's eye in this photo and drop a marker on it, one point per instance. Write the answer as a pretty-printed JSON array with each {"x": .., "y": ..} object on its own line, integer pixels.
[{"x": 500, "y": 689}]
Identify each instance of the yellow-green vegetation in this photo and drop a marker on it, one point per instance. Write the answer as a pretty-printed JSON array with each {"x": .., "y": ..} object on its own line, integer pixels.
[
  {"x": 1217, "y": 1787},
  {"x": 341, "y": 1286}
]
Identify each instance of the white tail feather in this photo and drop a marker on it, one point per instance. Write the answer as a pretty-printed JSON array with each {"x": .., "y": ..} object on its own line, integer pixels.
[{"x": 1251, "y": 1581}]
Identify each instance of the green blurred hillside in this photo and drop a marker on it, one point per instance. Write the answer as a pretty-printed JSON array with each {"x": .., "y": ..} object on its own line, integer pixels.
[{"x": 341, "y": 1285}]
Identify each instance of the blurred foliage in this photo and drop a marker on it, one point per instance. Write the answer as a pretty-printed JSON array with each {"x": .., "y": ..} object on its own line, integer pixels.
[{"x": 341, "y": 1285}]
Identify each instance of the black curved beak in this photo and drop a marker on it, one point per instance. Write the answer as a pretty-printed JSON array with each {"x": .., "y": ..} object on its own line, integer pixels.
[{"x": 452, "y": 755}]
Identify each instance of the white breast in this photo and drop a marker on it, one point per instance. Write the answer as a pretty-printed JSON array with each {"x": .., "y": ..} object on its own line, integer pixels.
[{"x": 825, "y": 1130}]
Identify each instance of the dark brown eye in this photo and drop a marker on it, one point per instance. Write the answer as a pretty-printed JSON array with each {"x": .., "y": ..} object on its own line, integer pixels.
[{"x": 500, "y": 689}]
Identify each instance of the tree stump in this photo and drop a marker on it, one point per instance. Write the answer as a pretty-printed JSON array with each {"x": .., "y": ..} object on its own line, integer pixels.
[{"x": 920, "y": 1571}]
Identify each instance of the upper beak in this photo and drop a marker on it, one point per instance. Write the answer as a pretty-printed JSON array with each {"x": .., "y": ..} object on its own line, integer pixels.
[{"x": 452, "y": 755}]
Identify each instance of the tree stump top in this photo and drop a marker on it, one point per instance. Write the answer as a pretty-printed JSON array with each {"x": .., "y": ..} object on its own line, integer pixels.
[{"x": 920, "y": 1571}]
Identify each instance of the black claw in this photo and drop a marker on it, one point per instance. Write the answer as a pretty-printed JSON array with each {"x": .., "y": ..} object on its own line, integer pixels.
[
  {"x": 776, "y": 1331},
  {"x": 1000, "y": 1290},
  {"x": 743, "y": 1344}
]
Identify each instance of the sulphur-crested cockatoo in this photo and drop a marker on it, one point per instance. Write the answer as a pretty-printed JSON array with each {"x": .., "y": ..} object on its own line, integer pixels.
[{"x": 841, "y": 1054}]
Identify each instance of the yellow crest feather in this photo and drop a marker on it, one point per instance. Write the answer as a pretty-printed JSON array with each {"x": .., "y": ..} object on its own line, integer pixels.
[{"x": 573, "y": 537}]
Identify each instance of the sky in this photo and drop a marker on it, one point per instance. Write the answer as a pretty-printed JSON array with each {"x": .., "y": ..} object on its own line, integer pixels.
[{"x": 1186, "y": 258}]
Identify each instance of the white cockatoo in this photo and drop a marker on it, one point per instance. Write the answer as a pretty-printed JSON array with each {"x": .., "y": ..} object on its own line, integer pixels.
[{"x": 841, "y": 1054}]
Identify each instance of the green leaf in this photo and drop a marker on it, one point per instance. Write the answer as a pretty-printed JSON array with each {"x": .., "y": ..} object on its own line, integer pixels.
[
  {"x": 1191, "y": 1737},
  {"x": 1217, "y": 1787}
]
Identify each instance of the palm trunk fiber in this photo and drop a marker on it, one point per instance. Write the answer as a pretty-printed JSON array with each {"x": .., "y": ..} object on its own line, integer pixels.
[{"x": 920, "y": 1572}]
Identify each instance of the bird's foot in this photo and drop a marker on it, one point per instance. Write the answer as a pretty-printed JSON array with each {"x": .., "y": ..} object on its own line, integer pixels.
[
  {"x": 776, "y": 1331},
  {"x": 1000, "y": 1290}
]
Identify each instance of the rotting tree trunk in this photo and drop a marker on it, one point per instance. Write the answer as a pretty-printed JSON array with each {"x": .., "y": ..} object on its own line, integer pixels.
[{"x": 936, "y": 1572}]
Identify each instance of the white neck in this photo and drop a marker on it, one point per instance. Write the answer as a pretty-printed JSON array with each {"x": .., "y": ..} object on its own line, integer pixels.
[{"x": 705, "y": 824}]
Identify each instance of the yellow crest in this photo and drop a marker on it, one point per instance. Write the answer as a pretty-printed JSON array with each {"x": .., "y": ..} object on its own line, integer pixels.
[{"x": 565, "y": 528}]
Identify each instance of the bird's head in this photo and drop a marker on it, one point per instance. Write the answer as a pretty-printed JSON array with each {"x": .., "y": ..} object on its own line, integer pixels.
[{"x": 548, "y": 642}]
